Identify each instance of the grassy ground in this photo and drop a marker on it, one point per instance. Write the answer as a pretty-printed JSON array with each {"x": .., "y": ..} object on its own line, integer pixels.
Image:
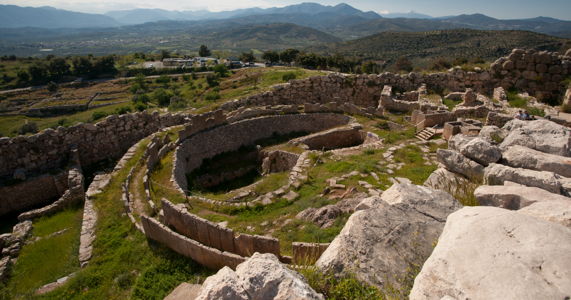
[
  {"x": 124, "y": 264},
  {"x": 9, "y": 125},
  {"x": 48, "y": 259}
]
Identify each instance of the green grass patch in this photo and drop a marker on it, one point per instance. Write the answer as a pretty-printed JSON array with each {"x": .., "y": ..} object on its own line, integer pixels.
[
  {"x": 124, "y": 264},
  {"x": 415, "y": 168},
  {"x": 451, "y": 103},
  {"x": 49, "y": 258}
]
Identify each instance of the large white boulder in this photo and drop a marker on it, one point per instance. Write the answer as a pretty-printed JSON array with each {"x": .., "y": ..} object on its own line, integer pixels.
[
  {"x": 458, "y": 163},
  {"x": 556, "y": 211},
  {"x": 380, "y": 244},
  {"x": 514, "y": 196},
  {"x": 523, "y": 157},
  {"x": 496, "y": 174},
  {"x": 481, "y": 151},
  {"x": 447, "y": 181},
  {"x": 260, "y": 277},
  {"x": 493, "y": 253},
  {"x": 541, "y": 135}
]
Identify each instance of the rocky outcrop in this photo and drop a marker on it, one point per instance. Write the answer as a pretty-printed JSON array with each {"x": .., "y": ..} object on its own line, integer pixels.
[
  {"x": 379, "y": 244},
  {"x": 185, "y": 291},
  {"x": 492, "y": 134},
  {"x": 458, "y": 141},
  {"x": 496, "y": 174},
  {"x": 458, "y": 163},
  {"x": 481, "y": 151},
  {"x": 260, "y": 277},
  {"x": 514, "y": 196},
  {"x": 447, "y": 181},
  {"x": 523, "y": 157},
  {"x": 541, "y": 135},
  {"x": 493, "y": 253},
  {"x": 556, "y": 211}
]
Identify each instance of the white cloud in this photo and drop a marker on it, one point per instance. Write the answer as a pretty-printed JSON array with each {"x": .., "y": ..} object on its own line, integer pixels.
[{"x": 384, "y": 12}]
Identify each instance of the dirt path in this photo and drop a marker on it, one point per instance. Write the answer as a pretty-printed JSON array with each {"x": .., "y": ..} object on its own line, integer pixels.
[{"x": 138, "y": 197}]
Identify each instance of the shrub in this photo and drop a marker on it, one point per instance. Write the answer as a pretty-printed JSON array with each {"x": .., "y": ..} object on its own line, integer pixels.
[
  {"x": 212, "y": 80},
  {"x": 52, "y": 86},
  {"x": 221, "y": 70},
  {"x": 123, "y": 110},
  {"x": 140, "y": 106},
  {"x": 212, "y": 95},
  {"x": 177, "y": 103},
  {"x": 162, "y": 97},
  {"x": 28, "y": 127},
  {"x": 163, "y": 79},
  {"x": 289, "y": 76},
  {"x": 141, "y": 98},
  {"x": 98, "y": 115}
]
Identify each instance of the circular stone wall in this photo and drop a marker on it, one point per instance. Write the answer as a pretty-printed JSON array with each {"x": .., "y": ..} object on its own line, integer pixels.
[{"x": 192, "y": 152}]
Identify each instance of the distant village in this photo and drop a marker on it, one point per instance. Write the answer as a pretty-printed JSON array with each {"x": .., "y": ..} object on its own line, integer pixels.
[{"x": 231, "y": 62}]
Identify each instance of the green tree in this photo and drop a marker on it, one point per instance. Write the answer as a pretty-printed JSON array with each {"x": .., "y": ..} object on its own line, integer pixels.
[
  {"x": 271, "y": 56},
  {"x": 82, "y": 66},
  {"x": 289, "y": 55},
  {"x": 247, "y": 57},
  {"x": 203, "y": 51},
  {"x": 38, "y": 73},
  {"x": 162, "y": 97},
  {"x": 58, "y": 68},
  {"x": 23, "y": 77},
  {"x": 105, "y": 66},
  {"x": 221, "y": 70}
]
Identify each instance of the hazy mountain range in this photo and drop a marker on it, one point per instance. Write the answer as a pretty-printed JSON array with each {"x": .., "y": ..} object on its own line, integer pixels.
[
  {"x": 26, "y": 30},
  {"x": 341, "y": 20}
]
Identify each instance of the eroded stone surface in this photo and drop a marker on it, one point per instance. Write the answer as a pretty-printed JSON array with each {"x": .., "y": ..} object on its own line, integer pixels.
[
  {"x": 496, "y": 174},
  {"x": 458, "y": 163},
  {"x": 523, "y": 157},
  {"x": 379, "y": 244},
  {"x": 555, "y": 210},
  {"x": 262, "y": 276},
  {"x": 514, "y": 196},
  {"x": 541, "y": 135},
  {"x": 493, "y": 253}
]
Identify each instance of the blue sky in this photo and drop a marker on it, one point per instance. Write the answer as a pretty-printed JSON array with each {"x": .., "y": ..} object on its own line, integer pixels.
[{"x": 504, "y": 9}]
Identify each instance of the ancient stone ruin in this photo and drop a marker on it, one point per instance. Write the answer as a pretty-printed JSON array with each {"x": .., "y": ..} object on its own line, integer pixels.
[{"x": 516, "y": 173}]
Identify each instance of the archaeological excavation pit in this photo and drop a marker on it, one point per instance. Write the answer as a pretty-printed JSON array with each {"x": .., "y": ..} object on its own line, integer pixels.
[{"x": 235, "y": 155}]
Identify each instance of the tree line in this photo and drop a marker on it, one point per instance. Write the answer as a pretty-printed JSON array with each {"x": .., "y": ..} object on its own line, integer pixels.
[{"x": 58, "y": 69}]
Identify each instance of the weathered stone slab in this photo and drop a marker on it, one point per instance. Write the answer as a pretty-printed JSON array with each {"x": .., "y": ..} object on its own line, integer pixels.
[
  {"x": 379, "y": 244},
  {"x": 496, "y": 174},
  {"x": 458, "y": 163},
  {"x": 523, "y": 157},
  {"x": 514, "y": 197},
  {"x": 493, "y": 253}
]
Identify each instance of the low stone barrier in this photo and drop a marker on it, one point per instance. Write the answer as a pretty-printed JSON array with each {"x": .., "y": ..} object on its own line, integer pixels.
[
  {"x": 221, "y": 139},
  {"x": 215, "y": 236},
  {"x": 346, "y": 136},
  {"x": 32, "y": 192},
  {"x": 75, "y": 194},
  {"x": 206, "y": 256}
]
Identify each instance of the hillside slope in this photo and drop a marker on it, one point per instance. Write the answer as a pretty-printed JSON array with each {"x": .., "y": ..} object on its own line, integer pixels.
[
  {"x": 12, "y": 16},
  {"x": 444, "y": 43}
]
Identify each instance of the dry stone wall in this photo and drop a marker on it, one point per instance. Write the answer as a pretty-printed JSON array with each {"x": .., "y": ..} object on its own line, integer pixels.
[
  {"x": 206, "y": 256},
  {"x": 206, "y": 144},
  {"x": 33, "y": 192},
  {"x": 50, "y": 149},
  {"x": 215, "y": 236}
]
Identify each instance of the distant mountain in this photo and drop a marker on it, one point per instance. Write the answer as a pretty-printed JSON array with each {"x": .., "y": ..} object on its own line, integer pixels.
[
  {"x": 408, "y": 15},
  {"x": 540, "y": 24},
  {"x": 140, "y": 16},
  {"x": 12, "y": 16},
  {"x": 176, "y": 36},
  {"x": 448, "y": 44}
]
